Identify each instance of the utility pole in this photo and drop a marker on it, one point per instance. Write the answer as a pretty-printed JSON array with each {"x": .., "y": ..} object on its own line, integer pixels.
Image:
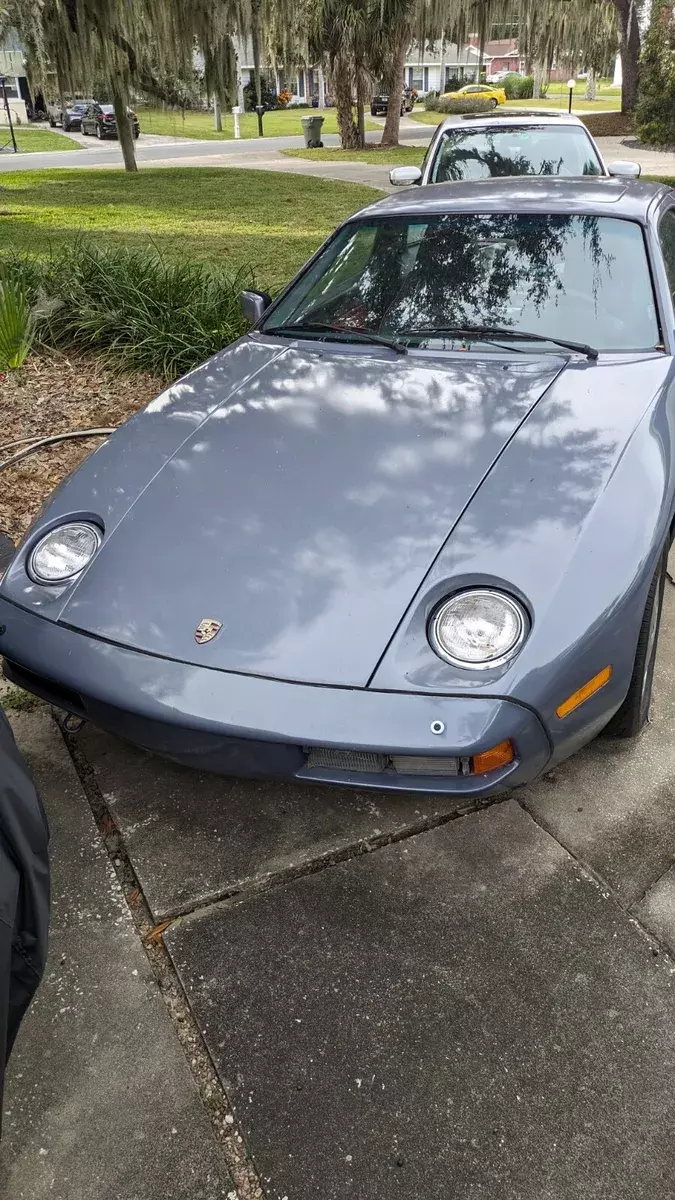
[{"x": 5, "y": 101}]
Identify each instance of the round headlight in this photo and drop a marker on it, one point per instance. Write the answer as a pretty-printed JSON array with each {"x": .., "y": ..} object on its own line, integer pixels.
[
  {"x": 478, "y": 629},
  {"x": 64, "y": 552}
]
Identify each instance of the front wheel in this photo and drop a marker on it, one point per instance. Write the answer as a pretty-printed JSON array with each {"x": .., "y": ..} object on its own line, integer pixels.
[
  {"x": 633, "y": 715},
  {"x": 494, "y": 103},
  {"x": 373, "y": 110},
  {"x": 99, "y": 133}
]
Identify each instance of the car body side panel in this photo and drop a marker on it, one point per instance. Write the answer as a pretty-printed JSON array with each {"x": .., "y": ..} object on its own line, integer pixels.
[{"x": 572, "y": 519}]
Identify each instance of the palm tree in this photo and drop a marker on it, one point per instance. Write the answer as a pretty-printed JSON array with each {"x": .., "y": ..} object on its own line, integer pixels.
[{"x": 342, "y": 30}]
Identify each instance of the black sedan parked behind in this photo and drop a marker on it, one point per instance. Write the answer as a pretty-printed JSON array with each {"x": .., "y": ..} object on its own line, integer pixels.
[{"x": 99, "y": 121}]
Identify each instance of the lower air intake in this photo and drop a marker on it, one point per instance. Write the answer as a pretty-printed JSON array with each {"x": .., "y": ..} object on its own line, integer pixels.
[
  {"x": 347, "y": 760},
  {"x": 369, "y": 762},
  {"x": 415, "y": 764}
]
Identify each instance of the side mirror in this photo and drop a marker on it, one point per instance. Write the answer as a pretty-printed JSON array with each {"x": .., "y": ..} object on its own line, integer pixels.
[
  {"x": 623, "y": 168},
  {"x": 254, "y": 305},
  {"x": 405, "y": 176}
]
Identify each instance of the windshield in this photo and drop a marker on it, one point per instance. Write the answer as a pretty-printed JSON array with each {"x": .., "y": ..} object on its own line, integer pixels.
[
  {"x": 582, "y": 278},
  {"x": 485, "y": 153},
  {"x": 79, "y": 106}
]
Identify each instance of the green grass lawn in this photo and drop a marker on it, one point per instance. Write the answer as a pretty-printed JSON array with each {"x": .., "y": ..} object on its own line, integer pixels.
[
  {"x": 280, "y": 123},
  {"x": 269, "y": 220},
  {"x": 388, "y": 156},
  {"x": 35, "y": 141}
]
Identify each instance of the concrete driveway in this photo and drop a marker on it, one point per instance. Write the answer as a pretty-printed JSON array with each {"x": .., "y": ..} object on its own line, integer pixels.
[{"x": 268, "y": 990}]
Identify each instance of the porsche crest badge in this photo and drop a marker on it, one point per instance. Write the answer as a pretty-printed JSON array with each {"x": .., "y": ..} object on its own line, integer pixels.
[{"x": 207, "y": 630}]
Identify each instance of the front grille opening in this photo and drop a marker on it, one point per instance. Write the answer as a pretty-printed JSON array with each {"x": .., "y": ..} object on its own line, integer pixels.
[
  {"x": 368, "y": 762},
  {"x": 46, "y": 689}
]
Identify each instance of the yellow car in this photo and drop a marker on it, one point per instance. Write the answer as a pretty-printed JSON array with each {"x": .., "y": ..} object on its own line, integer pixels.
[{"x": 481, "y": 91}]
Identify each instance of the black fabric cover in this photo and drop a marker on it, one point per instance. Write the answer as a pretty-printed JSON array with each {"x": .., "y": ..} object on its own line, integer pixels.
[{"x": 24, "y": 892}]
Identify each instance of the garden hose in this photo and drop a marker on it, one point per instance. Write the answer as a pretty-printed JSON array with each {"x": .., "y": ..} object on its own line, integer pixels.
[{"x": 39, "y": 443}]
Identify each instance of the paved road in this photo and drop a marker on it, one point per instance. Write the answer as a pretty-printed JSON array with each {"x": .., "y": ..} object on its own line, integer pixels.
[
  {"x": 264, "y": 154},
  {"x": 399, "y": 1000}
]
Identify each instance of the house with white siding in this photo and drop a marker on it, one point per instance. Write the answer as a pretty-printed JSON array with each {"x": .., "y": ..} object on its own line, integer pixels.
[
  {"x": 13, "y": 70},
  {"x": 426, "y": 64}
]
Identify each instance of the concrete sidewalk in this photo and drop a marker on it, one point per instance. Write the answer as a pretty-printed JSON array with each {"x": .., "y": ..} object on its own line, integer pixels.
[
  {"x": 398, "y": 999},
  {"x": 100, "y": 1103}
]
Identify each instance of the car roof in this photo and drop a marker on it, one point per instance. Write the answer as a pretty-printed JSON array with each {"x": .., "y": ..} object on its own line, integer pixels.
[
  {"x": 515, "y": 117},
  {"x": 531, "y": 193}
]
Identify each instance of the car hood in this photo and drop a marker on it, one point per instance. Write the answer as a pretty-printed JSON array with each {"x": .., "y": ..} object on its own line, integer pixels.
[{"x": 304, "y": 511}]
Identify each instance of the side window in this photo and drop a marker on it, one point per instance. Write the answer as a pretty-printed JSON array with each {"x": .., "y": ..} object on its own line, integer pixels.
[{"x": 667, "y": 240}]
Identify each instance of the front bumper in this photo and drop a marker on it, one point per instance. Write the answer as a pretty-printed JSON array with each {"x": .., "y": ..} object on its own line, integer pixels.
[{"x": 247, "y": 725}]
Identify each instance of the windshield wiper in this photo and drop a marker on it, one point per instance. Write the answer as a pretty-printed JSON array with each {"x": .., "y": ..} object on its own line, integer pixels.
[
  {"x": 494, "y": 331},
  {"x": 364, "y": 335}
]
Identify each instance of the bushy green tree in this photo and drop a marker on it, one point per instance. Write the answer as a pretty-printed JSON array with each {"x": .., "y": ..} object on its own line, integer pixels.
[{"x": 655, "y": 113}]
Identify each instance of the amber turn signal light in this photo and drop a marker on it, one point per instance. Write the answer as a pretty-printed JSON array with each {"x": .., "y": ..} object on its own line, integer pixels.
[
  {"x": 498, "y": 756},
  {"x": 584, "y": 693}
]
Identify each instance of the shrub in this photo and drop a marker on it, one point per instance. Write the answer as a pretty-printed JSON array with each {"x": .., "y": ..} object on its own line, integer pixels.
[
  {"x": 460, "y": 104},
  {"x": 521, "y": 87},
  {"x": 136, "y": 308},
  {"x": 655, "y": 112},
  {"x": 16, "y": 323},
  {"x": 268, "y": 96}
]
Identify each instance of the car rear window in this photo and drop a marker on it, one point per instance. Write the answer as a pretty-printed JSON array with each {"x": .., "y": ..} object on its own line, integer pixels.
[{"x": 535, "y": 150}]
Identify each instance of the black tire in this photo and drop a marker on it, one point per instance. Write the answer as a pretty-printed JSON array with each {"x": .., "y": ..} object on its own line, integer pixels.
[
  {"x": 136, "y": 132},
  {"x": 633, "y": 715},
  {"x": 83, "y": 131},
  {"x": 99, "y": 133},
  {"x": 66, "y": 128},
  {"x": 494, "y": 103},
  {"x": 52, "y": 123},
  {"x": 373, "y": 110}
]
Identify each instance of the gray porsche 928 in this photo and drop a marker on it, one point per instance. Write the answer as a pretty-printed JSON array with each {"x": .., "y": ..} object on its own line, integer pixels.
[{"x": 411, "y": 531}]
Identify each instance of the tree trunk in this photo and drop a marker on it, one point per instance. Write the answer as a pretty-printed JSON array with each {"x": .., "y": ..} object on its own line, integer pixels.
[
  {"x": 630, "y": 52},
  {"x": 255, "y": 47},
  {"x": 342, "y": 85},
  {"x": 217, "y": 116},
  {"x": 393, "y": 82},
  {"x": 441, "y": 85},
  {"x": 538, "y": 80},
  {"x": 591, "y": 85},
  {"x": 124, "y": 131},
  {"x": 361, "y": 92}
]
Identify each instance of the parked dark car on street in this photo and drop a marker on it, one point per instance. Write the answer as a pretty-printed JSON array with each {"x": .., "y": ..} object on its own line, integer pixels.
[
  {"x": 379, "y": 105},
  {"x": 408, "y": 533},
  {"x": 69, "y": 117},
  {"x": 99, "y": 121}
]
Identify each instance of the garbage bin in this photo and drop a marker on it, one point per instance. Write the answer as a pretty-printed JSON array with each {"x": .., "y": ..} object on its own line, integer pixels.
[{"x": 311, "y": 128}]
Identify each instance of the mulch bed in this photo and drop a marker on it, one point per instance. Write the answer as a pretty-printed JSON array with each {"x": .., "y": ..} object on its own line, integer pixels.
[
  {"x": 609, "y": 124},
  {"x": 54, "y": 394}
]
